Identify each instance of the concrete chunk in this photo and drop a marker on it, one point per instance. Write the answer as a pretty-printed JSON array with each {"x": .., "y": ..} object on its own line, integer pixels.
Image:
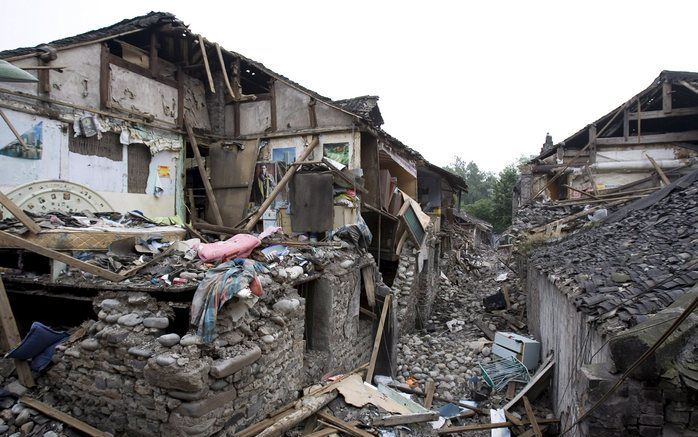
[{"x": 222, "y": 368}]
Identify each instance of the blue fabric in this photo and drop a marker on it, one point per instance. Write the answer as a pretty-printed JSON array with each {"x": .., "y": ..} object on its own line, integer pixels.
[{"x": 38, "y": 339}]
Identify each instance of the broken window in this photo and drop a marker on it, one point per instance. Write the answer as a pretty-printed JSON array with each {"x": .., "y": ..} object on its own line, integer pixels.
[{"x": 108, "y": 146}]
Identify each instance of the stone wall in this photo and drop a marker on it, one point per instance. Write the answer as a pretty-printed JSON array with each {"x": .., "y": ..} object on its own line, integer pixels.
[
  {"x": 405, "y": 286},
  {"x": 130, "y": 374}
]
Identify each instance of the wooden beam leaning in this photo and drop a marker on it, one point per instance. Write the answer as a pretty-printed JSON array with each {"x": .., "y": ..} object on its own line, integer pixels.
[
  {"x": 532, "y": 417},
  {"x": 63, "y": 417},
  {"x": 14, "y": 131},
  {"x": 225, "y": 72},
  {"x": 58, "y": 256},
  {"x": 204, "y": 175},
  {"x": 281, "y": 185},
  {"x": 377, "y": 340},
  {"x": 658, "y": 169},
  {"x": 208, "y": 68},
  {"x": 19, "y": 214},
  {"x": 11, "y": 338}
]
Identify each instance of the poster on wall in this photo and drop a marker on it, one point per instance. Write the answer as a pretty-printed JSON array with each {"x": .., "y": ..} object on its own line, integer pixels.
[
  {"x": 265, "y": 178},
  {"x": 284, "y": 154},
  {"x": 337, "y": 151},
  {"x": 33, "y": 140}
]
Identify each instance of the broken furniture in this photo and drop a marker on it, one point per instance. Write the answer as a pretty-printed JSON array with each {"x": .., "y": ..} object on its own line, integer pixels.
[{"x": 524, "y": 349}]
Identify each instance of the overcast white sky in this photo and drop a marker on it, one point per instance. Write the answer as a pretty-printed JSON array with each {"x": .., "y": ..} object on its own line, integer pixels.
[{"x": 482, "y": 80}]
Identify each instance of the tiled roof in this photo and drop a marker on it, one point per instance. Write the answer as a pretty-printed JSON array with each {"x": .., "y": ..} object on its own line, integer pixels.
[{"x": 633, "y": 265}]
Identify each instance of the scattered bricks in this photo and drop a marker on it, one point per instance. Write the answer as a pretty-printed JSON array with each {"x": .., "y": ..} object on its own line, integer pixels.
[
  {"x": 190, "y": 379},
  {"x": 204, "y": 406},
  {"x": 156, "y": 322},
  {"x": 651, "y": 419},
  {"x": 650, "y": 431},
  {"x": 222, "y": 368}
]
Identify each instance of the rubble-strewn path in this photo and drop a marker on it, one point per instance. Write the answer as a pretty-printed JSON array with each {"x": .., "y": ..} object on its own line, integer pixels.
[{"x": 450, "y": 348}]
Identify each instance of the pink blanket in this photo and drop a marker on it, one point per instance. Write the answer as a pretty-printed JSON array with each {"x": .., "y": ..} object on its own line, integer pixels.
[{"x": 239, "y": 246}]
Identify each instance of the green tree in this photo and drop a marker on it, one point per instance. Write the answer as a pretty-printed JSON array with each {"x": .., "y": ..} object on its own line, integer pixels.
[{"x": 489, "y": 196}]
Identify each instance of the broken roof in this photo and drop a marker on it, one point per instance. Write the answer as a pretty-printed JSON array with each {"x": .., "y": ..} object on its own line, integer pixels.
[
  {"x": 635, "y": 264},
  {"x": 364, "y": 108},
  {"x": 613, "y": 121}
]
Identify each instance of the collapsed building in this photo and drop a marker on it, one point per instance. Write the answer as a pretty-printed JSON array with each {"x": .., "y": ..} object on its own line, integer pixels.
[
  {"x": 605, "y": 236},
  {"x": 154, "y": 122}
]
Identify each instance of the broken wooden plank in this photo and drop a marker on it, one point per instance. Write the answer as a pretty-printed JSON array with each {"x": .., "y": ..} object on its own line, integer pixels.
[
  {"x": 281, "y": 185},
  {"x": 404, "y": 419},
  {"x": 206, "y": 66},
  {"x": 511, "y": 390},
  {"x": 309, "y": 405},
  {"x": 11, "y": 337},
  {"x": 344, "y": 426},
  {"x": 379, "y": 337},
  {"x": 217, "y": 228},
  {"x": 532, "y": 417},
  {"x": 429, "y": 388},
  {"x": 584, "y": 193},
  {"x": 132, "y": 271},
  {"x": 63, "y": 417},
  {"x": 204, "y": 175},
  {"x": 542, "y": 374},
  {"x": 370, "y": 285},
  {"x": 658, "y": 169},
  {"x": 16, "y": 211},
  {"x": 14, "y": 131},
  {"x": 58, "y": 256},
  {"x": 485, "y": 329},
  {"x": 484, "y": 426},
  {"x": 419, "y": 393},
  {"x": 515, "y": 420}
]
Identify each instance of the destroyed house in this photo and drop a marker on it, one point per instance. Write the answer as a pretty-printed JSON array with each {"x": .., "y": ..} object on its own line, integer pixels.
[
  {"x": 134, "y": 129},
  {"x": 646, "y": 142},
  {"x": 602, "y": 299}
]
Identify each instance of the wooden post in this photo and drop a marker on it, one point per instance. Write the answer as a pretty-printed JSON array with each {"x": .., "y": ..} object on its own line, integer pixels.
[
  {"x": 11, "y": 338},
  {"x": 281, "y": 185},
  {"x": 272, "y": 104},
  {"x": 429, "y": 390},
  {"x": 312, "y": 115},
  {"x": 204, "y": 174},
  {"x": 104, "y": 79},
  {"x": 225, "y": 72},
  {"x": 17, "y": 212},
  {"x": 639, "y": 121},
  {"x": 63, "y": 417},
  {"x": 592, "y": 141},
  {"x": 377, "y": 340},
  {"x": 237, "y": 82},
  {"x": 206, "y": 66},
  {"x": 626, "y": 125},
  {"x": 153, "y": 54},
  {"x": 666, "y": 97}
]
